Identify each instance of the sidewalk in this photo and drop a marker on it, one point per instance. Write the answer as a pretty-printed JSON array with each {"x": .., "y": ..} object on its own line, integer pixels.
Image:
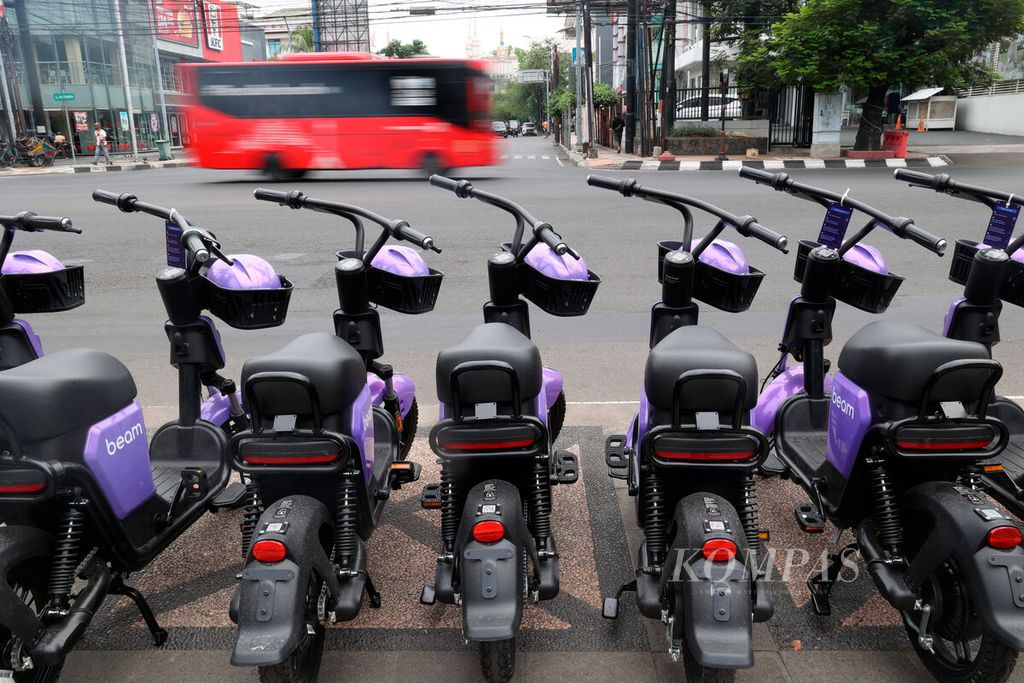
[{"x": 143, "y": 162}]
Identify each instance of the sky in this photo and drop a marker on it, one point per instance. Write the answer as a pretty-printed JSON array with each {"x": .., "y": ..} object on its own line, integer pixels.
[{"x": 447, "y": 35}]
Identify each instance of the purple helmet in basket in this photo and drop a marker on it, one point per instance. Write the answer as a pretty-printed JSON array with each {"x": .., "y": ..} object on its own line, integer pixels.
[
  {"x": 30, "y": 262},
  {"x": 563, "y": 267},
  {"x": 868, "y": 258},
  {"x": 724, "y": 256},
  {"x": 400, "y": 260},
  {"x": 248, "y": 272}
]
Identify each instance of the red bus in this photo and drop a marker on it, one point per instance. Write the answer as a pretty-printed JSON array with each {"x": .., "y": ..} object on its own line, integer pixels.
[{"x": 341, "y": 111}]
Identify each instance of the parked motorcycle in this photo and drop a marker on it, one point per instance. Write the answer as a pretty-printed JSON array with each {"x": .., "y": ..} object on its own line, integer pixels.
[
  {"x": 991, "y": 271},
  {"x": 83, "y": 499},
  {"x": 32, "y": 281},
  {"x": 690, "y": 454},
  {"x": 495, "y": 438},
  {"x": 892, "y": 454},
  {"x": 327, "y": 445}
]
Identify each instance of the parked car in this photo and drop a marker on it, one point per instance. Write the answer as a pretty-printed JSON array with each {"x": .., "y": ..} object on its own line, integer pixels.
[
  {"x": 690, "y": 107},
  {"x": 529, "y": 129},
  {"x": 513, "y": 128},
  {"x": 499, "y": 128}
]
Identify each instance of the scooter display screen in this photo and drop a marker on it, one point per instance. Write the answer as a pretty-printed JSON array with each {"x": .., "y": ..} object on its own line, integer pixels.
[
  {"x": 175, "y": 249},
  {"x": 1001, "y": 225},
  {"x": 833, "y": 229}
]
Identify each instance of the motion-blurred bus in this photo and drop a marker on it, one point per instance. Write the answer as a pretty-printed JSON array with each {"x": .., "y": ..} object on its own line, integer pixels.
[{"x": 341, "y": 111}]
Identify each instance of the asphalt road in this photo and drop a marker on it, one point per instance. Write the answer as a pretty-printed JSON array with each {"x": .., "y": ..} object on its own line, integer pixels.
[{"x": 601, "y": 354}]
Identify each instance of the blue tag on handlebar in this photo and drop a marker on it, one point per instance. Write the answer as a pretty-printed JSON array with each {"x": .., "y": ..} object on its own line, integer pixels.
[
  {"x": 1001, "y": 225},
  {"x": 833, "y": 229},
  {"x": 175, "y": 249}
]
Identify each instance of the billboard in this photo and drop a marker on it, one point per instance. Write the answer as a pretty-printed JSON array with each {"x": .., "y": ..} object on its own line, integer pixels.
[
  {"x": 176, "y": 21},
  {"x": 222, "y": 38}
]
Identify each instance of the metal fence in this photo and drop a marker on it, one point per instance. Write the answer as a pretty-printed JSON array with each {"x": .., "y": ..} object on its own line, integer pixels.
[
  {"x": 1009, "y": 87},
  {"x": 690, "y": 104}
]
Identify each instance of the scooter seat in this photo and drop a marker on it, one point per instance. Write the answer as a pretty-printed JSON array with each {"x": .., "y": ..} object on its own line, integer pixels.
[
  {"x": 335, "y": 369},
  {"x": 695, "y": 347},
  {"x": 895, "y": 359},
  {"x": 490, "y": 342},
  {"x": 63, "y": 392}
]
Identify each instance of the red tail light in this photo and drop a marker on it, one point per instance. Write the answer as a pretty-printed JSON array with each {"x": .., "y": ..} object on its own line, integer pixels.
[
  {"x": 937, "y": 445},
  {"x": 22, "y": 488},
  {"x": 315, "y": 459},
  {"x": 719, "y": 550},
  {"x": 691, "y": 456},
  {"x": 489, "y": 531},
  {"x": 507, "y": 445},
  {"x": 1004, "y": 537},
  {"x": 269, "y": 551}
]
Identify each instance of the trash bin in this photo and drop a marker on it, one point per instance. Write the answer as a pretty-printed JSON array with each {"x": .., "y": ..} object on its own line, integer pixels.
[
  {"x": 164, "y": 147},
  {"x": 896, "y": 140}
]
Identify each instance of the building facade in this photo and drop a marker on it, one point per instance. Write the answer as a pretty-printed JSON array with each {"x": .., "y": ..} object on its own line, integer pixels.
[{"x": 65, "y": 73}]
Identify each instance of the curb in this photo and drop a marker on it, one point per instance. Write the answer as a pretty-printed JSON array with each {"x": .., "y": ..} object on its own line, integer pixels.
[{"x": 66, "y": 170}]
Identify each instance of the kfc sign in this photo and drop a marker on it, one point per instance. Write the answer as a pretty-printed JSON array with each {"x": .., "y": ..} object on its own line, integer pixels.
[{"x": 214, "y": 37}]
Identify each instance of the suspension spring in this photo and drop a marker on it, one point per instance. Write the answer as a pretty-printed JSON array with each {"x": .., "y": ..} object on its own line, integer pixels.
[
  {"x": 450, "y": 508},
  {"x": 540, "y": 502},
  {"x": 971, "y": 478},
  {"x": 346, "y": 516},
  {"x": 655, "y": 517},
  {"x": 251, "y": 515},
  {"x": 748, "y": 512},
  {"x": 66, "y": 554},
  {"x": 887, "y": 515}
]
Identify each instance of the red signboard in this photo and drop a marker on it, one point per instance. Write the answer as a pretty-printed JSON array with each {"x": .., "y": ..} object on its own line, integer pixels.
[
  {"x": 222, "y": 38},
  {"x": 176, "y": 21}
]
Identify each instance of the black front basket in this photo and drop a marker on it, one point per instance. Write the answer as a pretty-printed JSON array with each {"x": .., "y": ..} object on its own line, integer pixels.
[
  {"x": 732, "y": 292},
  {"x": 59, "y": 290},
  {"x": 859, "y": 287},
  {"x": 1012, "y": 290},
  {"x": 555, "y": 296},
  {"x": 249, "y": 309},
  {"x": 401, "y": 293}
]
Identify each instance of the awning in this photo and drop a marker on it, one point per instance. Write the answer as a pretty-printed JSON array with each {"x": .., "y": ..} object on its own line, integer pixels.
[{"x": 922, "y": 94}]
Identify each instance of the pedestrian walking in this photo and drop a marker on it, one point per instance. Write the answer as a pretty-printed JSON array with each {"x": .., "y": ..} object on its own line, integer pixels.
[
  {"x": 618, "y": 123},
  {"x": 101, "y": 144}
]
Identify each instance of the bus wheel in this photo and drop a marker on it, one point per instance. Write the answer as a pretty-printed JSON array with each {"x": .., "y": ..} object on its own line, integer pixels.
[
  {"x": 431, "y": 165},
  {"x": 276, "y": 172}
]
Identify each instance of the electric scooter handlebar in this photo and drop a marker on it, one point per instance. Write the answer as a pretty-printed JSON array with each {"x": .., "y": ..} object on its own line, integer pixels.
[
  {"x": 30, "y": 221},
  {"x": 745, "y": 225},
  {"x": 542, "y": 230},
  {"x": 901, "y": 227},
  {"x": 200, "y": 243},
  {"x": 941, "y": 182}
]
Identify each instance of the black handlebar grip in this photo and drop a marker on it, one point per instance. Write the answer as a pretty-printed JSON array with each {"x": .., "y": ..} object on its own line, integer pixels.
[
  {"x": 196, "y": 247},
  {"x": 925, "y": 239},
  {"x": 32, "y": 221},
  {"x": 768, "y": 236},
  {"x": 605, "y": 183},
  {"x": 404, "y": 231},
  {"x": 756, "y": 174},
  {"x": 548, "y": 237},
  {"x": 270, "y": 195},
  {"x": 105, "y": 197},
  {"x": 914, "y": 177},
  {"x": 443, "y": 182}
]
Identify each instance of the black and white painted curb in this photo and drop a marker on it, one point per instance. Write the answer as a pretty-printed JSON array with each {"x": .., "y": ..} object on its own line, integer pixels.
[
  {"x": 775, "y": 164},
  {"x": 98, "y": 168}
]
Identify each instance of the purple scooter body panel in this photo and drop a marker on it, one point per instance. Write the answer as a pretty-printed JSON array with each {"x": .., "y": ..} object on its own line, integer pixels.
[
  {"x": 360, "y": 420},
  {"x": 404, "y": 387},
  {"x": 948, "y": 320},
  {"x": 790, "y": 382},
  {"x": 849, "y": 417},
  {"x": 117, "y": 454},
  {"x": 641, "y": 418},
  {"x": 553, "y": 384},
  {"x": 216, "y": 409},
  {"x": 37, "y": 343}
]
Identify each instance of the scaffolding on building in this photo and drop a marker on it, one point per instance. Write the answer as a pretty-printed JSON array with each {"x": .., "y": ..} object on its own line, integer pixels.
[{"x": 341, "y": 26}]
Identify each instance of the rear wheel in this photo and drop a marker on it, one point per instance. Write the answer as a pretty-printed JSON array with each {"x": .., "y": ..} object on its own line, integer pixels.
[
  {"x": 498, "y": 660},
  {"x": 408, "y": 434},
  {"x": 303, "y": 664},
  {"x": 29, "y": 584},
  {"x": 556, "y": 416},
  {"x": 962, "y": 650}
]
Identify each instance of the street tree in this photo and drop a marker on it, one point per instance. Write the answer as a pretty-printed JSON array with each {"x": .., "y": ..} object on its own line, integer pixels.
[
  {"x": 396, "y": 48},
  {"x": 872, "y": 44},
  {"x": 526, "y": 100},
  {"x": 301, "y": 39}
]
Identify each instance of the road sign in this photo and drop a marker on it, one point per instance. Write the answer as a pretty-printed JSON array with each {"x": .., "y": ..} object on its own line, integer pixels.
[
  {"x": 63, "y": 96},
  {"x": 532, "y": 75}
]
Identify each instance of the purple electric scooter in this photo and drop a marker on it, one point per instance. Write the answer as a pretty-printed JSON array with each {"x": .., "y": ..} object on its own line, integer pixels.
[
  {"x": 690, "y": 454},
  {"x": 32, "y": 281},
  {"x": 992, "y": 272},
  {"x": 331, "y": 428},
  {"x": 501, "y": 411},
  {"x": 892, "y": 454}
]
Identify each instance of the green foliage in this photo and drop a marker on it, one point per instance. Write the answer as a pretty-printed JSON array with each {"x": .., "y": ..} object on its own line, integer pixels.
[
  {"x": 397, "y": 48},
  {"x": 525, "y": 101},
  {"x": 562, "y": 100},
  {"x": 301, "y": 39},
  {"x": 604, "y": 96},
  {"x": 694, "y": 131}
]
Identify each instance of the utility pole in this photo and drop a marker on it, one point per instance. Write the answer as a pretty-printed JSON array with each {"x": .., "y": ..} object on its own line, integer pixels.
[
  {"x": 577, "y": 69},
  {"x": 629, "y": 132},
  {"x": 124, "y": 75},
  {"x": 705, "y": 74},
  {"x": 588, "y": 83},
  {"x": 668, "y": 74},
  {"x": 28, "y": 58},
  {"x": 159, "y": 76},
  {"x": 8, "y": 102}
]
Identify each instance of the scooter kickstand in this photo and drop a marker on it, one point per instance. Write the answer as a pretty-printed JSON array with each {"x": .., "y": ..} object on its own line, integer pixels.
[
  {"x": 371, "y": 592},
  {"x": 159, "y": 634},
  {"x": 821, "y": 584}
]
